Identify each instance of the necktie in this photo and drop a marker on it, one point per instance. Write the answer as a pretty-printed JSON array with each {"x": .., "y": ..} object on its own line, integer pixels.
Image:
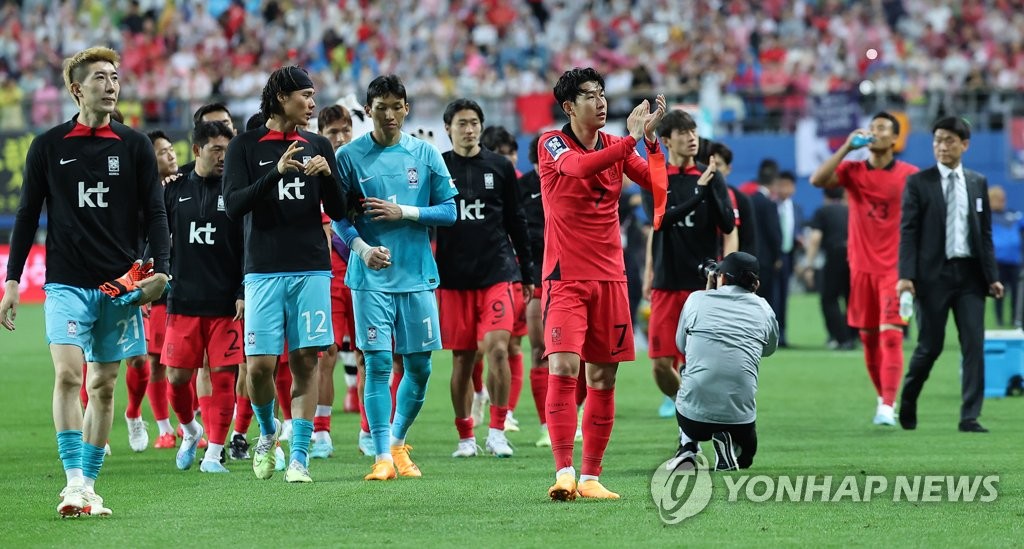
[{"x": 950, "y": 194}]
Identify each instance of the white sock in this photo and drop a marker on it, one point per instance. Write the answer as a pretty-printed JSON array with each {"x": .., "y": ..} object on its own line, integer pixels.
[
  {"x": 286, "y": 424},
  {"x": 495, "y": 432},
  {"x": 235, "y": 434},
  {"x": 322, "y": 436},
  {"x": 322, "y": 411},
  {"x": 363, "y": 433},
  {"x": 543, "y": 427},
  {"x": 397, "y": 441},
  {"x": 683, "y": 439},
  {"x": 90, "y": 483},
  {"x": 192, "y": 429},
  {"x": 351, "y": 380},
  {"x": 473, "y": 439},
  {"x": 584, "y": 478},
  {"x": 213, "y": 452},
  {"x": 165, "y": 426},
  {"x": 564, "y": 471},
  {"x": 72, "y": 474},
  {"x": 385, "y": 457}
]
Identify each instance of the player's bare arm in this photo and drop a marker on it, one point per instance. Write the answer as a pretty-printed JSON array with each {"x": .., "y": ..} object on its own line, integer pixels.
[{"x": 825, "y": 175}]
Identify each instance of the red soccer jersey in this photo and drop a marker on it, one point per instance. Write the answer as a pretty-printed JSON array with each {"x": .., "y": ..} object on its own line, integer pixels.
[
  {"x": 874, "y": 197},
  {"x": 580, "y": 190}
]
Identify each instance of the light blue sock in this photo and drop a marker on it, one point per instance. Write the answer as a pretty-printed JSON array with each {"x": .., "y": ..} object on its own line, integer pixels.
[
  {"x": 302, "y": 430},
  {"x": 92, "y": 460},
  {"x": 377, "y": 398},
  {"x": 411, "y": 392},
  {"x": 69, "y": 445},
  {"x": 265, "y": 417}
]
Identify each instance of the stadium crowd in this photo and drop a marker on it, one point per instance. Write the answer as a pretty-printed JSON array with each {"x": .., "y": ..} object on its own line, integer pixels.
[{"x": 738, "y": 58}]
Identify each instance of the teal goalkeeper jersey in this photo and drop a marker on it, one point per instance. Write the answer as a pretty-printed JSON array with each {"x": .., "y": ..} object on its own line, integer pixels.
[{"x": 411, "y": 173}]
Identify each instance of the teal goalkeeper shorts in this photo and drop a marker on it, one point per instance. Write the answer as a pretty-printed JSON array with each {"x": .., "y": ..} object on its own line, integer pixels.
[
  {"x": 408, "y": 321},
  {"x": 87, "y": 318},
  {"x": 294, "y": 306}
]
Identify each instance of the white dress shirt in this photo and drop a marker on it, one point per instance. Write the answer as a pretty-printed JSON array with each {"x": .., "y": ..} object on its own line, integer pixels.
[{"x": 957, "y": 244}]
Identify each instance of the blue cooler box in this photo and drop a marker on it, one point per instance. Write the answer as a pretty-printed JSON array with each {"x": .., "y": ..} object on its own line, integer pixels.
[{"x": 1004, "y": 358}]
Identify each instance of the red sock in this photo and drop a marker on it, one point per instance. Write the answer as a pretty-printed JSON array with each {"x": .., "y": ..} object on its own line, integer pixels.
[
  {"x": 464, "y": 425},
  {"x": 498, "y": 415},
  {"x": 222, "y": 401},
  {"x": 83, "y": 393},
  {"x": 561, "y": 412},
  {"x": 598, "y": 418},
  {"x": 478, "y": 376},
  {"x": 243, "y": 414},
  {"x": 195, "y": 392},
  {"x": 581, "y": 386},
  {"x": 321, "y": 423},
  {"x": 206, "y": 411},
  {"x": 891, "y": 364},
  {"x": 515, "y": 365},
  {"x": 137, "y": 380},
  {"x": 181, "y": 402},
  {"x": 398, "y": 375},
  {"x": 283, "y": 380},
  {"x": 539, "y": 386},
  {"x": 873, "y": 357},
  {"x": 158, "y": 393},
  {"x": 364, "y": 424}
]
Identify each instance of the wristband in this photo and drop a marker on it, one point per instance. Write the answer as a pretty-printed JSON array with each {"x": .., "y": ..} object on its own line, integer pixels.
[
  {"x": 412, "y": 213},
  {"x": 361, "y": 248}
]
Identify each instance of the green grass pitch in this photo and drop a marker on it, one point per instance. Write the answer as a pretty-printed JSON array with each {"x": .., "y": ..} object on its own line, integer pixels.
[{"x": 814, "y": 418}]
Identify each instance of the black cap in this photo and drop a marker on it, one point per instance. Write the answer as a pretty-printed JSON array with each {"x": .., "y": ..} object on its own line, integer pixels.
[{"x": 736, "y": 264}]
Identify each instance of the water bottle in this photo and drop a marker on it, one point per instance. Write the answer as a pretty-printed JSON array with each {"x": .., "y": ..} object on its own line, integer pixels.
[
  {"x": 906, "y": 305},
  {"x": 861, "y": 140}
]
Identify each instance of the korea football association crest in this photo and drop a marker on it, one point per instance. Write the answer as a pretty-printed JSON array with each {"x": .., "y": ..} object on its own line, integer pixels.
[
  {"x": 371, "y": 335},
  {"x": 72, "y": 328},
  {"x": 114, "y": 165},
  {"x": 306, "y": 159},
  {"x": 489, "y": 181},
  {"x": 220, "y": 203},
  {"x": 414, "y": 177},
  {"x": 250, "y": 338}
]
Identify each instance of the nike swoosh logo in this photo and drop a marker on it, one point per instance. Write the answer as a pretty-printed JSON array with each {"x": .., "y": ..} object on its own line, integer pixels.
[
  {"x": 617, "y": 352},
  {"x": 182, "y": 199},
  {"x": 264, "y": 163},
  {"x": 62, "y": 161},
  {"x": 432, "y": 341},
  {"x": 532, "y": 195},
  {"x": 365, "y": 179}
]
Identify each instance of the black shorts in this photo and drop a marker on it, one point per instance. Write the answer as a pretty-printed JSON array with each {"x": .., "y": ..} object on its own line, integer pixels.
[{"x": 744, "y": 435}]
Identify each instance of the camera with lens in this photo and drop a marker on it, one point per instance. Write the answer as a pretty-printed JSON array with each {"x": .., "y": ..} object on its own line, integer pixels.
[{"x": 707, "y": 268}]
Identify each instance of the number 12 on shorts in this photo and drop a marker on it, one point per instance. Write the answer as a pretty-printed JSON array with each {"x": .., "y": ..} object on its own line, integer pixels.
[{"x": 320, "y": 319}]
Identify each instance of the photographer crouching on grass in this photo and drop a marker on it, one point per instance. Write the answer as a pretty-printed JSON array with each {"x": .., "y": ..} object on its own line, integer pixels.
[{"x": 723, "y": 331}]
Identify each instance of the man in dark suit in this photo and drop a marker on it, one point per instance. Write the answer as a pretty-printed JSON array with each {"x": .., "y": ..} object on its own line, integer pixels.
[
  {"x": 791, "y": 220},
  {"x": 947, "y": 261},
  {"x": 769, "y": 233}
]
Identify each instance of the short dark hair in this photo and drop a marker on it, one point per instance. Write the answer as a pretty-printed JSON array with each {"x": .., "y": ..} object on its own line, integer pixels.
[
  {"x": 676, "y": 119},
  {"x": 280, "y": 80},
  {"x": 207, "y": 109},
  {"x": 255, "y": 121},
  {"x": 157, "y": 134},
  {"x": 787, "y": 175},
  {"x": 534, "y": 143},
  {"x": 954, "y": 124},
  {"x": 721, "y": 149},
  {"x": 568, "y": 86},
  {"x": 886, "y": 116},
  {"x": 205, "y": 131},
  {"x": 496, "y": 137},
  {"x": 767, "y": 171},
  {"x": 330, "y": 115},
  {"x": 462, "y": 104},
  {"x": 383, "y": 86}
]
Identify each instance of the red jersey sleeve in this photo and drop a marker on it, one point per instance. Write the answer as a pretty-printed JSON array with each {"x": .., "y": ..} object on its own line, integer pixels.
[
  {"x": 844, "y": 173},
  {"x": 572, "y": 163}
]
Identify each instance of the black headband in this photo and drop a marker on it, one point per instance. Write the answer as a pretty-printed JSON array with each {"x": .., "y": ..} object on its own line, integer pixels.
[{"x": 296, "y": 79}]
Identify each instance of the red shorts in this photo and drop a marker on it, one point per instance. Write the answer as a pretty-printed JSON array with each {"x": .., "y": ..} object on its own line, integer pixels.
[
  {"x": 188, "y": 338},
  {"x": 589, "y": 318},
  {"x": 519, "y": 306},
  {"x": 342, "y": 318},
  {"x": 156, "y": 329},
  {"x": 466, "y": 315},
  {"x": 873, "y": 300},
  {"x": 666, "y": 306},
  {"x": 537, "y": 290}
]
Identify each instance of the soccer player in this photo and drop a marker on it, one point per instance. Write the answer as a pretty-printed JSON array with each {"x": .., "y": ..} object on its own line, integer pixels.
[
  {"x": 275, "y": 178},
  {"x": 698, "y": 209},
  {"x": 478, "y": 269},
  {"x": 742, "y": 238},
  {"x": 93, "y": 175},
  {"x": 205, "y": 303},
  {"x": 874, "y": 191},
  {"x": 500, "y": 140},
  {"x": 533, "y": 207},
  {"x": 586, "y": 309},
  {"x": 210, "y": 112},
  {"x": 406, "y": 189},
  {"x": 335, "y": 123}
]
